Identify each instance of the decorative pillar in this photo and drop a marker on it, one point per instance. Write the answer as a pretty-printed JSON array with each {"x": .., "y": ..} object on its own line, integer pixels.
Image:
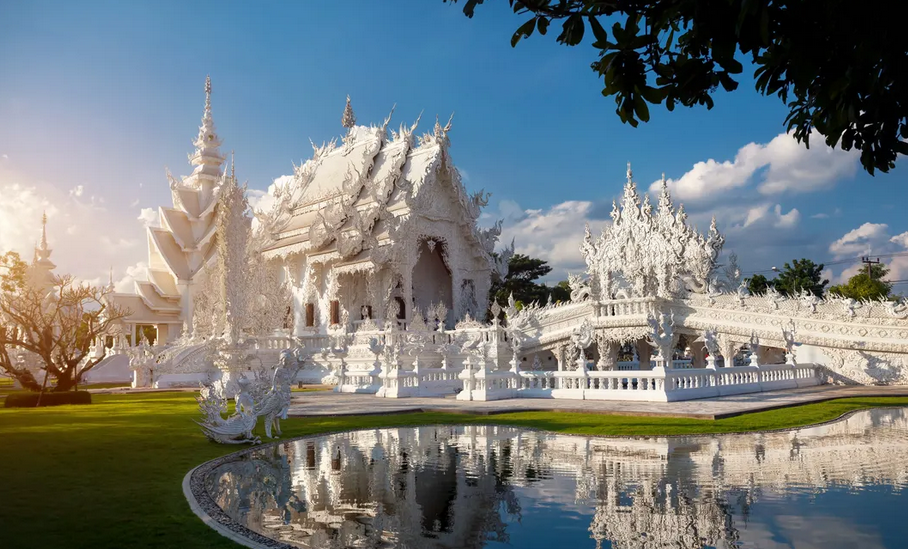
[
  {"x": 559, "y": 357},
  {"x": 728, "y": 349},
  {"x": 608, "y": 354},
  {"x": 466, "y": 375},
  {"x": 408, "y": 293}
]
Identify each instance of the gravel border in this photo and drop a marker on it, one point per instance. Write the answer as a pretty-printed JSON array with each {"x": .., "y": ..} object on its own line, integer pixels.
[{"x": 204, "y": 506}]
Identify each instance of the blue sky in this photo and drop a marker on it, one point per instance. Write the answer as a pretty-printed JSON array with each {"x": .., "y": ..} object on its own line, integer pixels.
[{"x": 96, "y": 98}]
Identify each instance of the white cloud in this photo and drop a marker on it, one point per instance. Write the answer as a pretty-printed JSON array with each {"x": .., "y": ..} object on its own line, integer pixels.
[
  {"x": 553, "y": 234},
  {"x": 126, "y": 284},
  {"x": 86, "y": 237},
  {"x": 773, "y": 215},
  {"x": 149, "y": 217},
  {"x": 786, "y": 221},
  {"x": 117, "y": 245},
  {"x": 20, "y": 217},
  {"x": 134, "y": 203},
  {"x": 820, "y": 215},
  {"x": 4, "y": 156},
  {"x": 785, "y": 165},
  {"x": 872, "y": 239},
  {"x": 859, "y": 241},
  {"x": 900, "y": 240}
]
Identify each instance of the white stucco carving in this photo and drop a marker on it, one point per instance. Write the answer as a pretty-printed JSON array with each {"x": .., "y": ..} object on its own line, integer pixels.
[{"x": 377, "y": 240}]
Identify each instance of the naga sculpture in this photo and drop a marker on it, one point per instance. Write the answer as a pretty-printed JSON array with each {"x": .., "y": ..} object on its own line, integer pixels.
[{"x": 253, "y": 400}]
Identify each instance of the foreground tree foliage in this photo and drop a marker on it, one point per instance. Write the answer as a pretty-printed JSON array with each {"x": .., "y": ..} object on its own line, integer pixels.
[
  {"x": 55, "y": 321},
  {"x": 840, "y": 67},
  {"x": 861, "y": 286}
]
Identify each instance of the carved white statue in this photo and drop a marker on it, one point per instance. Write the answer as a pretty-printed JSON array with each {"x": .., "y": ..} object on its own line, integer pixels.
[{"x": 273, "y": 404}]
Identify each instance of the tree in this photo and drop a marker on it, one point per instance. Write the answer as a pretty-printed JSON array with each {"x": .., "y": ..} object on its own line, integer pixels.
[
  {"x": 56, "y": 322},
  {"x": 799, "y": 276},
  {"x": 844, "y": 78},
  {"x": 523, "y": 272},
  {"x": 758, "y": 284},
  {"x": 861, "y": 286},
  {"x": 561, "y": 291}
]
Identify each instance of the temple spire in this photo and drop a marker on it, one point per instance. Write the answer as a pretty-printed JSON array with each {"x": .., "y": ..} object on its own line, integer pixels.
[
  {"x": 348, "y": 120},
  {"x": 42, "y": 251},
  {"x": 206, "y": 158},
  {"x": 44, "y": 231},
  {"x": 208, "y": 95},
  {"x": 630, "y": 173}
]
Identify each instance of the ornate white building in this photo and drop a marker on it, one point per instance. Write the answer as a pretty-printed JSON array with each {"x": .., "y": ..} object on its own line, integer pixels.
[
  {"x": 380, "y": 226},
  {"x": 385, "y": 270}
]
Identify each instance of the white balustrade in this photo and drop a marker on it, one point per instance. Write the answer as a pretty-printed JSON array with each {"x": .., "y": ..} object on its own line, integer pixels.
[{"x": 664, "y": 385}]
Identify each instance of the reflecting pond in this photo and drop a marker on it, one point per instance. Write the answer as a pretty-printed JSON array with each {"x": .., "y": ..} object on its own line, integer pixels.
[{"x": 837, "y": 485}]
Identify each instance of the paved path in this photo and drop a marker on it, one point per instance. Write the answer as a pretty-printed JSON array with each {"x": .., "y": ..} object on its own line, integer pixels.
[{"x": 334, "y": 404}]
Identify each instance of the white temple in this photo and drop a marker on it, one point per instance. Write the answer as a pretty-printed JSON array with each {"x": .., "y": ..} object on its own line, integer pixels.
[
  {"x": 370, "y": 255},
  {"x": 380, "y": 221}
]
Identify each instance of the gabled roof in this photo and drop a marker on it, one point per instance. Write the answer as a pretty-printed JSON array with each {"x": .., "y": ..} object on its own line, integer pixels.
[
  {"x": 354, "y": 188},
  {"x": 141, "y": 313}
]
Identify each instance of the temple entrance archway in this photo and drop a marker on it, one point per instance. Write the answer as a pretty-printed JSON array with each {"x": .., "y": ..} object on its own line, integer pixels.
[{"x": 432, "y": 281}]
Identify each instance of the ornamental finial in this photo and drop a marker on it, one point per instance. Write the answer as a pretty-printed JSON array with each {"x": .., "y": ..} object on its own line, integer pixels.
[
  {"x": 208, "y": 93},
  {"x": 438, "y": 129},
  {"x": 348, "y": 120},
  {"x": 44, "y": 231},
  {"x": 232, "y": 166},
  {"x": 630, "y": 173}
]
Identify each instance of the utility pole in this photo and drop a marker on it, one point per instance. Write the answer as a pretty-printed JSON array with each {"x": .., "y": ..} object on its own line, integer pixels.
[{"x": 869, "y": 262}]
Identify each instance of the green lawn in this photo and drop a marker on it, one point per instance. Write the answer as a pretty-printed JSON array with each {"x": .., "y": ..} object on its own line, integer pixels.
[{"x": 109, "y": 474}]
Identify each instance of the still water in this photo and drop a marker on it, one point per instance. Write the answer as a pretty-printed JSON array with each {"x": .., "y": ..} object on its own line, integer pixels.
[{"x": 839, "y": 485}]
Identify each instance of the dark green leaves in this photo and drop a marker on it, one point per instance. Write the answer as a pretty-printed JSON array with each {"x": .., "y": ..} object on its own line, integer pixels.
[
  {"x": 525, "y": 30},
  {"x": 571, "y": 31},
  {"x": 839, "y": 72}
]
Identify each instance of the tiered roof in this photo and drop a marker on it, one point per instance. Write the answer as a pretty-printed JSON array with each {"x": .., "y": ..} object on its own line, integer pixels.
[
  {"x": 184, "y": 244},
  {"x": 347, "y": 201}
]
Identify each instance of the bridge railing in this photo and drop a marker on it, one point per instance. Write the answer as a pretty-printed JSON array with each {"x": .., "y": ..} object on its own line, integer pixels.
[{"x": 656, "y": 385}]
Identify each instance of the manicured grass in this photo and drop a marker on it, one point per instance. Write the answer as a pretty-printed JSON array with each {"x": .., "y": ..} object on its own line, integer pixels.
[{"x": 109, "y": 474}]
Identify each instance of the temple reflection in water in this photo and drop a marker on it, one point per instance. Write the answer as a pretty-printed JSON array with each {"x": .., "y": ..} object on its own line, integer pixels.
[{"x": 480, "y": 486}]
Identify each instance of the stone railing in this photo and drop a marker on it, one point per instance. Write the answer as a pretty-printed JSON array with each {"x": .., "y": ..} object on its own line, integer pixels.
[
  {"x": 484, "y": 384},
  {"x": 656, "y": 385},
  {"x": 438, "y": 381},
  {"x": 398, "y": 383},
  {"x": 637, "y": 306}
]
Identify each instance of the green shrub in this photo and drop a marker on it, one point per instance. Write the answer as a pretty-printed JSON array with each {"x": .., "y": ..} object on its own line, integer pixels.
[{"x": 29, "y": 400}]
